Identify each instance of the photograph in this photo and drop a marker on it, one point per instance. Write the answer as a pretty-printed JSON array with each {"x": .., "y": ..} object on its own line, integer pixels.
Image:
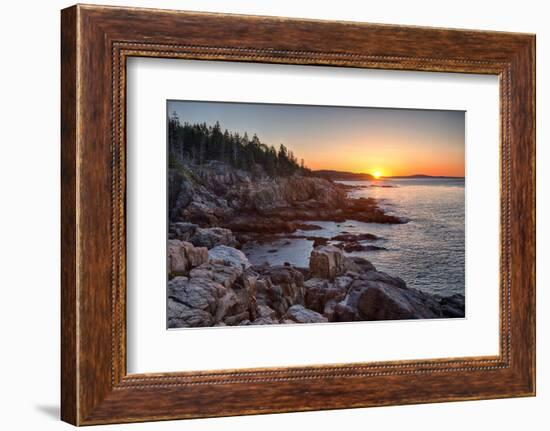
[{"x": 285, "y": 214}]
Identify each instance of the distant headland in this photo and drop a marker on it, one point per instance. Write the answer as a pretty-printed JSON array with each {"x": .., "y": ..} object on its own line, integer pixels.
[
  {"x": 425, "y": 176},
  {"x": 360, "y": 176}
]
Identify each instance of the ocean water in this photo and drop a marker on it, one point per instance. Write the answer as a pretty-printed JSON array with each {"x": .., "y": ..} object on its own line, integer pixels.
[{"x": 427, "y": 252}]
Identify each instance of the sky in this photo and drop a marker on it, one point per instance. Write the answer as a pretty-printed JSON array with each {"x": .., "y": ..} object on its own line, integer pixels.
[{"x": 366, "y": 140}]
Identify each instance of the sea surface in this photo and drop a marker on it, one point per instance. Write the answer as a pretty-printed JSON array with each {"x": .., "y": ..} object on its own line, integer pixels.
[{"x": 427, "y": 252}]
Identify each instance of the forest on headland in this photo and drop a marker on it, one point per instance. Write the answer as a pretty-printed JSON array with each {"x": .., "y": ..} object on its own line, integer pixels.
[{"x": 198, "y": 143}]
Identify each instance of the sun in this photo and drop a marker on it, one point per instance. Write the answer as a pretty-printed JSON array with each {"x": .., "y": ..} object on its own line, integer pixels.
[{"x": 377, "y": 174}]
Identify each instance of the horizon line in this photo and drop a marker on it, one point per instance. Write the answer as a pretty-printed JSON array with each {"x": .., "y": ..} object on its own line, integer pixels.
[{"x": 388, "y": 176}]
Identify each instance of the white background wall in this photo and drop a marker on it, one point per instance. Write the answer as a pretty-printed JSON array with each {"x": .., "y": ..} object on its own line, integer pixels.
[{"x": 29, "y": 224}]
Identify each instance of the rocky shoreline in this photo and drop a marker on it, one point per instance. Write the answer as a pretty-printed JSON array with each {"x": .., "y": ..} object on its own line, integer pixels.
[{"x": 216, "y": 209}]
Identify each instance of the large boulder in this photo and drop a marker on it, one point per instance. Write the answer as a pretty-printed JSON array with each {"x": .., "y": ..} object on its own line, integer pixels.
[
  {"x": 339, "y": 312},
  {"x": 212, "y": 237},
  {"x": 266, "y": 312},
  {"x": 225, "y": 275},
  {"x": 383, "y": 277},
  {"x": 233, "y": 308},
  {"x": 229, "y": 256},
  {"x": 241, "y": 300},
  {"x": 319, "y": 292},
  {"x": 326, "y": 262},
  {"x": 265, "y": 316},
  {"x": 357, "y": 264},
  {"x": 195, "y": 255},
  {"x": 182, "y": 256},
  {"x": 316, "y": 289},
  {"x": 270, "y": 296},
  {"x": 212, "y": 295},
  {"x": 343, "y": 282},
  {"x": 288, "y": 282},
  {"x": 183, "y": 316},
  {"x": 452, "y": 306},
  {"x": 200, "y": 213},
  {"x": 299, "y": 314},
  {"x": 182, "y": 230},
  {"x": 177, "y": 258},
  {"x": 199, "y": 293},
  {"x": 378, "y": 300}
]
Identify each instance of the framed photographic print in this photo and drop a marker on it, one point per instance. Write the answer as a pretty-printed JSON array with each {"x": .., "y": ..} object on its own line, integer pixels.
[{"x": 324, "y": 214}]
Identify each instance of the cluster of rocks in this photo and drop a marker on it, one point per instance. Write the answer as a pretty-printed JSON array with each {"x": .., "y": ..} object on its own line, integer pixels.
[
  {"x": 356, "y": 242},
  {"x": 345, "y": 241},
  {"x": 202, "y": 237},
  {"x": 219, "y": 287}
]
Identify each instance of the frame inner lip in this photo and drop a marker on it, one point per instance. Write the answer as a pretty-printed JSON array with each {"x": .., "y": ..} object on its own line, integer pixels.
[{"x": 124, "y": 49}]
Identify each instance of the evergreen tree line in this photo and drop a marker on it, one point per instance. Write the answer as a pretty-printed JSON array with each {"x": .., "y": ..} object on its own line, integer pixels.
[{"x": 199, "y": 143}]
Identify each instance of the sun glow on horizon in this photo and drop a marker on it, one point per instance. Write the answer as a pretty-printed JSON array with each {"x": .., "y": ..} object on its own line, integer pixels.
[{"x": 381, "y": 142}]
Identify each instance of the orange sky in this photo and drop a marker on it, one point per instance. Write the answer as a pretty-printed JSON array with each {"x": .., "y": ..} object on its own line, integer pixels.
[
  {"x": 353, "y": 139},
  {"x": 388, "y": 157}
]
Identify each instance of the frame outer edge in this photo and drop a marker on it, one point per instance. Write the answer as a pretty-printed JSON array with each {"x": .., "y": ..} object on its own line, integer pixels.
[
  {"x": 532, "y": 101},
  {"x": 87, "y": 397},
  {"x": 69, "y": 201},
  {"x": 533, "y": 53},
  {"x": 531, "y": 84},
  {"x": 523, "y": 217}
]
